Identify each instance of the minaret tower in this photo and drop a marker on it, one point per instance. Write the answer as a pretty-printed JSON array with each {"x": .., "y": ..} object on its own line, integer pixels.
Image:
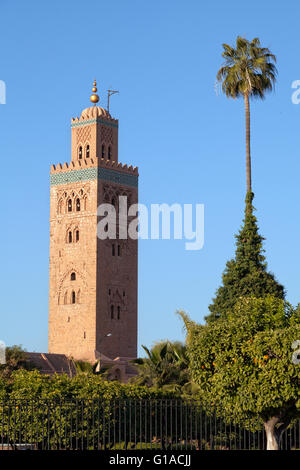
[{"x": 93, "y": 282}]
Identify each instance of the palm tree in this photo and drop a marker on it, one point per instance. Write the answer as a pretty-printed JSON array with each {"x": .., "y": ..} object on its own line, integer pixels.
[
  {"x": 166, "y": 365},
  {"x": 248, "y": 71}
]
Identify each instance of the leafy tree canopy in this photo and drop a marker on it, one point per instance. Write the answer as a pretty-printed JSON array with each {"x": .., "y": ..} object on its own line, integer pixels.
[
  {"x": 244, "y": 361},
  {"x": 246, "y": 274},
  {"x": 166, "y": 365}
]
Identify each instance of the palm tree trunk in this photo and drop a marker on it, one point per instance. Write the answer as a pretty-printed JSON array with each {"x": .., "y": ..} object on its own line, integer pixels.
[{"x": 248, "y": 155}]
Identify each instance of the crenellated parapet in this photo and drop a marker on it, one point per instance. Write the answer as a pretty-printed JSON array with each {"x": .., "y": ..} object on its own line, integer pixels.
[
  {"x": 92, "y": 163},
  {"x": 99, "y": 168}
]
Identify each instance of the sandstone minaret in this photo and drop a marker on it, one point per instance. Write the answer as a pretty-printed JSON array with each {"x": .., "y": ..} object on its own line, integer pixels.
[{"x": 93, "y": 282}]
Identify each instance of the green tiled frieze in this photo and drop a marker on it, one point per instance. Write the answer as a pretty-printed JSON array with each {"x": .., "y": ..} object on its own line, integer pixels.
[
  {"x": 87, "y": 174},
  {"x": 93, "y": 121}
]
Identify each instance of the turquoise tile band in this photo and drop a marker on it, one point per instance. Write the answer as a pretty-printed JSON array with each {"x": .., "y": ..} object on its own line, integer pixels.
[
  {"x": 93, "y": 121},
  {"x": 87, "y": 174}
]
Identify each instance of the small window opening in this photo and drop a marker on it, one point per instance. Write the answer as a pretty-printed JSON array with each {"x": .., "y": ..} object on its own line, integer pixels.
[
  {"x": 77, "y": 235},
  {"x": 69, "y": 205},
  {"x": 77, "y": 204},
  {"x": 73, "y": 297},
  {"x": 113, "y": 250},
  {"x": 119, "y": 309},
  {"x": 80, "y": 153},
  {"x": 111, "y": 311},
  {"x": 109, "y": 153},
  {"x": 87, "y": 152},
  {"x": 103, "y": 151},
  {"x": 70, "y": 237},
  {"x": 73, "y": 276}
]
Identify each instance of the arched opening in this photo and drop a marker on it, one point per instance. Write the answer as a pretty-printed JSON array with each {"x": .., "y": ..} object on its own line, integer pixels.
[
  {"x": 73, "y": 298},
  {"x": 78, "y": 204},
  {"x": 77, "y": 235},
  {"x": 80, "y": 152},
  {"x": 69, "y": 205},
  {"x": 112, "y": 312},
  {"x": 119, "y": 250},
  {"x": 87, "y": 151},
  {"x": 70, "y": 237},
  {"x": 119, "y": 312},
  {"x": 73, "y": 276},
  {"x": 113, "y": 250},
  {"x": 103, "y": 151},
  {"x": 109, "y": 153}
]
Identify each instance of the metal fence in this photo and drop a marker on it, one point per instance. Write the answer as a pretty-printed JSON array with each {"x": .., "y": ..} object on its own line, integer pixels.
[{"x": 130, "y": 424}]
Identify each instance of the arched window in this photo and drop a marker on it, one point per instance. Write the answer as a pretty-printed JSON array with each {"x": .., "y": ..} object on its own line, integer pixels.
[
  {"x": 112, "y": 311},
  {"x": 73, "y": 276},
  {"x": 70, "y": 237},
  {"x": 78, "y": 204},
  {"x": 119, "y": 250},
  {"x": 77, "y": 235},
  {"x": 103, "y": 151},
  {"x": 80, "y": 153},
  {"x": 70, "y": 205},
  {"x": 119, "y": 310},
  {"x": 87, "y": 151},
  {"x": 109, "y": 153},
  {"x": 73, "y": 297}
]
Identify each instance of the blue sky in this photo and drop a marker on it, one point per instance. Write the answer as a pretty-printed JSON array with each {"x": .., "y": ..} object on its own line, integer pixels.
[{"x": 187, "y": 141}]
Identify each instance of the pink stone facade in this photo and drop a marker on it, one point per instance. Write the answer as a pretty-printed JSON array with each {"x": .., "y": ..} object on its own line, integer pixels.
[{"x": 93, "y": 282}]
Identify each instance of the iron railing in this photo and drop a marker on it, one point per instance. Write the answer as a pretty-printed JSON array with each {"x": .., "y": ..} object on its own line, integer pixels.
[{"x": 131, "y": 424}]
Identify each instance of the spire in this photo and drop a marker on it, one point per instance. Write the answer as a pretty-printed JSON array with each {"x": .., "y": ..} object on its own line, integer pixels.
[{"x": 94, "y": 98}]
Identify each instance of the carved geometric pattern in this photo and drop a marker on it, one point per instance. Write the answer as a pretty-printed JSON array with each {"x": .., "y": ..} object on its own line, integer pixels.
[
  {"x": 87, "y": 174},
  {"x": 106, "y": 135},
  {"x": 83, "y": 134},
  {"x": 71, "y": 197}
]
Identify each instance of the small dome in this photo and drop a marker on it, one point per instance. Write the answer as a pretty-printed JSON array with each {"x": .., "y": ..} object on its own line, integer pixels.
[{"x": 94, "y": 112}]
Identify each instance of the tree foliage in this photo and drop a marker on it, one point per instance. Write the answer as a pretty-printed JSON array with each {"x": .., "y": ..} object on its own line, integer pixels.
[
  {"x": 246, "y": 274},
  {"x": 244, "y": 361},
  {"x": 166, "y": 365},
  {"x": 16, "y": 358},
  {"x": 248, "y": 69}
]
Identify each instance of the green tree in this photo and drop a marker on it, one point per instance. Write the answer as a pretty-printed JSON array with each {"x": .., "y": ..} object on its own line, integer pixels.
[
  {"x": 166, "y": 365},
  {"x": 248, "y": 71},
  {"x": 244, "y": 363},
  {"x": 247, "y": 274},
  {"x": 16, "y": 358}
]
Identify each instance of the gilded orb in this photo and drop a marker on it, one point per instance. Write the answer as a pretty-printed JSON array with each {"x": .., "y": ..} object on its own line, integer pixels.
[{"x": 94, "y": 98}]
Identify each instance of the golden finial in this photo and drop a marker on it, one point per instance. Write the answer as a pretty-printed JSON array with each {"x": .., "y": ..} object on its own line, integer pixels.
[{"x": 94, "y": 98}]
